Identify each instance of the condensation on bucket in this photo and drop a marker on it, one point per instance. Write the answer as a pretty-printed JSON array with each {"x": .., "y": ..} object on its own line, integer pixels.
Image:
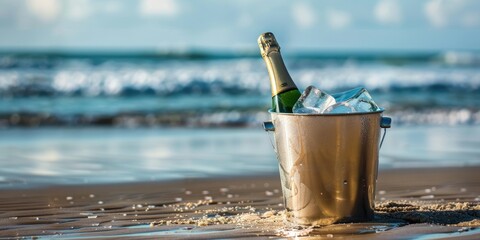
[{"x": 328, "y": 165}]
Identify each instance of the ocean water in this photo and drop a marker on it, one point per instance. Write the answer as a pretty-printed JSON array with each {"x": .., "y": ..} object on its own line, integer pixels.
[
  {"x": 33, "y": 157},
  {"x": 133, "y": 91},
  {"x": 84, "y": 119}
]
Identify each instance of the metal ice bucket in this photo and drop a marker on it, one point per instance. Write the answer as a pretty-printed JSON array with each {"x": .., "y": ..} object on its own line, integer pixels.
[{"x": 328, "y": 165}]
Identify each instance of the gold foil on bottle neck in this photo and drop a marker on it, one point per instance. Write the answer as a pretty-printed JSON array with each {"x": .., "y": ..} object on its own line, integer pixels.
[
  {"x": 280, "y": 80},
  {"x": 268, "y": 44}
]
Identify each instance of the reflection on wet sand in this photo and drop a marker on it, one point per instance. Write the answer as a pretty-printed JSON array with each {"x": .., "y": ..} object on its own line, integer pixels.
[{"x": 239, "y": 207}]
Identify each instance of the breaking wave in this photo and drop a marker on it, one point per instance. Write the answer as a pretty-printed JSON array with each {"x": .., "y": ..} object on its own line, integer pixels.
[
  {"x": 223, "y": 91},
  {"x": 220, "y": 76}
]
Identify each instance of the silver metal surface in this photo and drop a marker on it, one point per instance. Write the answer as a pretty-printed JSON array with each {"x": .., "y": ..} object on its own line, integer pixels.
[{"x": 328, "y": 165}]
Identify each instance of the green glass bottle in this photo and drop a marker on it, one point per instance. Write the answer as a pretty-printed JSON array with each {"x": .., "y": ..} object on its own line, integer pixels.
[{"x": 284, "y": 91}]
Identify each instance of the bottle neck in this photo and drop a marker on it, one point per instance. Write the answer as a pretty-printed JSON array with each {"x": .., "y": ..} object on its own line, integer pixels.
[{"x": 280, "y": 80}]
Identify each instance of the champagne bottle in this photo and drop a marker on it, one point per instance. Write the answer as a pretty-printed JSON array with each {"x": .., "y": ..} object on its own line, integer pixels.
[{"x": 284, "y": 91}]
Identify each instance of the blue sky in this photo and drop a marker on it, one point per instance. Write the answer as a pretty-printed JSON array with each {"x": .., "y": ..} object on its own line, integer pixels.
[{"x": 178, "y": 25}]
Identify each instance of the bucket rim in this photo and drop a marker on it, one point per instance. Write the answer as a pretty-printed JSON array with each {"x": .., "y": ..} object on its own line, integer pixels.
[{"x": 381, "y": 110}]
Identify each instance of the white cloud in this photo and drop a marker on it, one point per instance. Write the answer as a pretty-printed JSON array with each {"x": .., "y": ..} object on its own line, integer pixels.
[
  {"x": 388, "y": 12},
  {"x": 166, "y": 8},
  {"x": 441, "y": 13},
  {"x": 436, "y": 13},
  {"x": 45, "y": 10},
  {"x": 303, "y": 15},
  {"x": 79, "y": 9},
  {"x": 337, "y": 19}
]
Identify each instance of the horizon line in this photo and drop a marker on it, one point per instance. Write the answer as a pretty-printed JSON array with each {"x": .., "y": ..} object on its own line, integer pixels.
[{"x": 220, "y": 52}]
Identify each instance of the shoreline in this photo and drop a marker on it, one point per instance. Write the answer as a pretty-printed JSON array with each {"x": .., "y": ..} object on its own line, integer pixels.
[
  {"x": 107, "y": 155},
  {"x": 409, "y": 203}
]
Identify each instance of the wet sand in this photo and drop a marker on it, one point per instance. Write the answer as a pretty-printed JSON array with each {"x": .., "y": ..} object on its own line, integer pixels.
[{"x": 424, "y": 203}]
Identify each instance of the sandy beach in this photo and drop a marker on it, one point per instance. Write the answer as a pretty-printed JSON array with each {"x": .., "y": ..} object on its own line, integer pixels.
[
  {"x": 151, "y": 119},
  {"x": 422, "y": 203}
]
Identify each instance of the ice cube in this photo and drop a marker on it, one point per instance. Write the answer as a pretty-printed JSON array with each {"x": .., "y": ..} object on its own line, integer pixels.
[
  {"x": 341, "y": 107},
  {"x": 357, "y": 99},
  {"x": 313, "y": 100}
]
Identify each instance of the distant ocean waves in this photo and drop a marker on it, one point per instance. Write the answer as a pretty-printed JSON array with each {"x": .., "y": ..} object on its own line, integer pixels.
[
  {"x": 221, "y": 92},
  {"x": 23, "y": 76},
  {"x": 229, "y": 119},
  {"x": 232, "y": 118},
  {"x": 217, "y": 118}
]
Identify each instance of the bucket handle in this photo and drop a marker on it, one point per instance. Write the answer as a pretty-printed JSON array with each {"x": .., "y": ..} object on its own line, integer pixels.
[
  {"x": 269, "y": 128},
  {"x": 385, "y": 122}
]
